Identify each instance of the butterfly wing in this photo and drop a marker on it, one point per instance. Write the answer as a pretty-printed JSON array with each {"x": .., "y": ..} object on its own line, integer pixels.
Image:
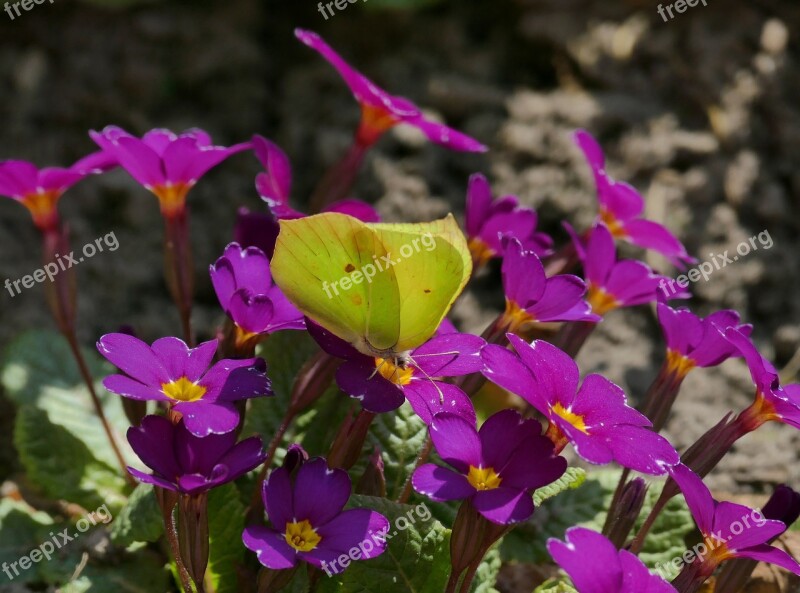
[{"x": 321, "y": 264}]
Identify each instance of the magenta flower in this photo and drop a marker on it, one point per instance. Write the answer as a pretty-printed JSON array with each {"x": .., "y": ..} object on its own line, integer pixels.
[
  {"x": 381, "y": 385},
  {"x": 533, "y": 297},
  {"x": 489, "y": 221},
  {"x": 614, "y": 283},
  {"x": 165, "y": 163},
  {"x": 729, "y": 530},
  {"x": 189, "y": 464},
  {"x": 380, "y": 110},
  {"x": 308, "y": 523},
  {"x": 595, "y": 418},
  {"x": 696, "y": 342},
  {"x": 170, "y": 372},
  {"x": 773, "y": 401},
  {"x": 596, "y": 566},
  {"x": 244, "y": 287},
  {"x": 274, "y": 186},
  {"x": 497, "y": 467},
  {"x": 621, "y": 207},
  {"x": 40, "y": 189}
]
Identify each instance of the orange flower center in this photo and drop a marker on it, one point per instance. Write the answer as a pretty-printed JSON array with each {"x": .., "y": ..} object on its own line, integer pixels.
[
  {"x": 480, "y": 251},
  {"x": 601, "y": 301},
  {"x": 614, "y": 226},
  {"x": 171, "y": 197},
  {"x": 397, "y": 374},
  {"x": 679, "y": 364},
  {"x": 759, "y": 412},
  {"x": 42, "y": 206},
  {"x": 514, "y": 317},
  {"x": 374, "y": 122}
]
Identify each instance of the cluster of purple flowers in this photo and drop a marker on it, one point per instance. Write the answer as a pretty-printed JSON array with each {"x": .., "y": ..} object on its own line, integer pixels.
[{"x": 192, "y": 445}]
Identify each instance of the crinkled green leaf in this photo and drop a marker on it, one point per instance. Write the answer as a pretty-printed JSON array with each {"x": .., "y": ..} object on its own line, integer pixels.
[
  {"x": 486, "y": 575},
  {"x": 556, "y": 586},
  {"x": 226, "y": 513},
  {"x": 400, "y": 435},
  {"x": 139, "y": 520},
  {"x": 573, "y": 478},
  {"x": 417, "y": 558}
]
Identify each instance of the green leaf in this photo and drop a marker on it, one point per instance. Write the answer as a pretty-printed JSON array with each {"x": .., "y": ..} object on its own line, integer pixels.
[
  {"x": 587, "y": 506},
  {"x": 140, "y": 573},
  {"x": 417, "y": 558},
  {"x": 60, "y": 440},
  {"x": 62, "y": 465},
  {"x": 556, "y": 586},
  {"x": 22, "y": 530},
  {"x": 140, "y": 519},
  {"x": 573, "y": 478},
  {"x": 226, "y": 514},
  {"x": 285, "y": 352},
  {"x": 400, "y": 435},
  {"x": 486, "y": 575}
]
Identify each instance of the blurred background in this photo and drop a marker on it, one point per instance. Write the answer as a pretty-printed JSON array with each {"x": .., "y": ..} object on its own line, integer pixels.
[{"x": 701, "y": 113}]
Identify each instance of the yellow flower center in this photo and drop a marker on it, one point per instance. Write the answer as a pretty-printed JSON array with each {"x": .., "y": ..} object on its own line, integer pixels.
[
  {"x": 183, "y": 390},
  {"x": 514, "y": 317},
  {"x": 601, "y": 301},
  {"x": 614, "y": 225},
  {"x": 42, "y": 206},
  {"x": 171, "y": 197},
  {"x": 483, "y": 478},
  {"x": 679, "y": 364},
  {"x": 480, "y": 251},
  {"x": 374, "y": 122},
  {"x": 397, "y": 374},
  {"x": 569, "y": 416},
  {"x": 717, "y": 551},
  {"x": 301, "y": 536},
  {"x": 760, "y": 411}
]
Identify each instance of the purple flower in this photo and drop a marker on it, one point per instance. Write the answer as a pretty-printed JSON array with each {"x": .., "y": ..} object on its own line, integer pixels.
[
  {"x": 596, "y": 566},
  {"x": 488, "y": 221},
  {"x": 497, "y": 467},
  {"x": 381, "y": 385},
  {"x": 614, "y": 283},
  {"x": 773, "y": 401},
  {"x": 171, "y": 372},
  {"x": 274, "y": 186},
  {"x": 696, "y": 342},
  {"x": 621, "y": 207},
  {"x": 533, "y": 297},
  {"x": 729, "y": 530},
  {"x": 256, "y": 229},
  {"x": 380, "y": 110},
  {"x": 40, "y": 189},
  {"x": 244, "y": 287},
  {"x": 165, "y": 163},
  {"x": 187, "y": 463},
  {"x": 595, "y": 418},
  {"x": 308, "y": 523}
]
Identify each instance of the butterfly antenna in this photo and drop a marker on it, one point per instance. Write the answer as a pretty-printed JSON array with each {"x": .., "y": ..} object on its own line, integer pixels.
[{"x": 427, "y": 376}]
